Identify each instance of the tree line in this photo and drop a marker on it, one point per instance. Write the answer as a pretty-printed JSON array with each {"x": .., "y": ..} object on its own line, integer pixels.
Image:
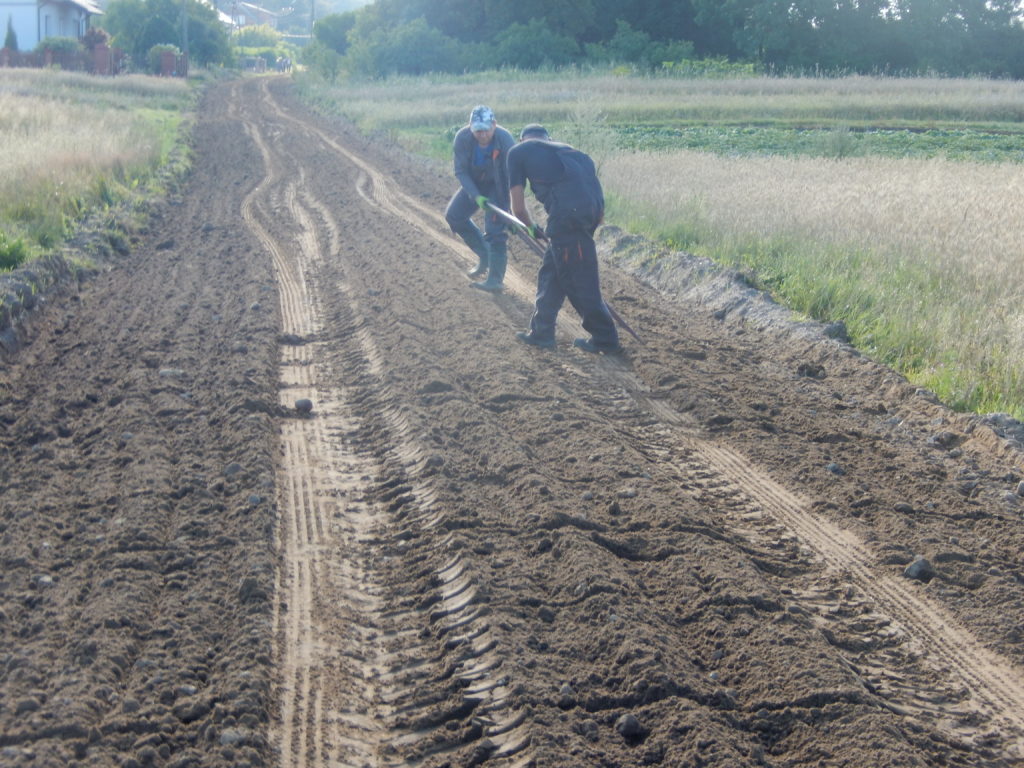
[{"x": 944, "y": 37}]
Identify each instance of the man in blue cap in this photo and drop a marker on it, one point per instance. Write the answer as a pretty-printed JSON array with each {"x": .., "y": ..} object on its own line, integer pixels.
[
  {"x": 565, "y": 182},
  {"x": 479, "y": 150}
]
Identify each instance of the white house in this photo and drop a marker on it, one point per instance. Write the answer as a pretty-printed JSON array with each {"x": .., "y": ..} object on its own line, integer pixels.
[
  {"x": 34, "y": 20},
  {"x": 245, "y": 14}
]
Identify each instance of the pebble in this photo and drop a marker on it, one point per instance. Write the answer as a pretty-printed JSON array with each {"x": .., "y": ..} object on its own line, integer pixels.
[
  {"x": 1020, "y": 488},
  {"x": 921, "y": 569},
  {"x": 589, "y": 730},
  {"x": 566, "y": 697},
  {"x": 629, "y": 727},
  {"x": 835, "y": 469},
  {"x": 171, "y": 373},
  {"x": 304, "y": 405},
  {"x": 903, "y": 508},
  {"x": 233, "y": 736},
  {"x": 27, "y": 705}
]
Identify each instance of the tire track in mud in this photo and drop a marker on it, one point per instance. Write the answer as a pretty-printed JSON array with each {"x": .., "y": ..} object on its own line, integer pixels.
[
  {"x": 765, "y": 511},
  {"x": 364, "y": 667},
  {"x": 375, "y": 188}
]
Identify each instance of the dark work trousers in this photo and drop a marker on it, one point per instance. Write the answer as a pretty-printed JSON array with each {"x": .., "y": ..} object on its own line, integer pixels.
[
  {"x": 569, "y": 271},
  {"x": 459, "y": 217}
]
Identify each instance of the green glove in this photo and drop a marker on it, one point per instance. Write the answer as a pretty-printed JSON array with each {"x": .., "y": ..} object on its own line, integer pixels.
[
  {"x": 536, "y": 231},
  {"x": 482, "y": 201}
]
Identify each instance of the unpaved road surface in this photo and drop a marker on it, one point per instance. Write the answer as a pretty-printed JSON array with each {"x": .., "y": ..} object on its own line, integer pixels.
[{"x": 471, "y": 552}]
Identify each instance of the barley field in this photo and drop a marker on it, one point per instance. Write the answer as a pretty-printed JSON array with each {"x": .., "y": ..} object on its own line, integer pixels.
[{"x": 921, "y": 259}]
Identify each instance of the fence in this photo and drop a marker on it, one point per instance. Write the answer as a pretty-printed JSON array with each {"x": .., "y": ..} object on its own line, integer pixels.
[{"x": 101, "y": 60}]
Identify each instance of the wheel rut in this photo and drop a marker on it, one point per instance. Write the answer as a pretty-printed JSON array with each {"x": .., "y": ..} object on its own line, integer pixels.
[{"x": 359, "y": 684}]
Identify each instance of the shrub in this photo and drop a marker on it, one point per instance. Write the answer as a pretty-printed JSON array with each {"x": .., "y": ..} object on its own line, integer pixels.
[
  {"x": 258, "y": 36},
  {"x": 155, "y": 54},
  {"x": 95, "y": 36},
  {"x": 322, "y": 61},
  {"x": 12, "y": 252},
  {"x": 11, "y": 38},
  {"x": 59, "y": 45}
]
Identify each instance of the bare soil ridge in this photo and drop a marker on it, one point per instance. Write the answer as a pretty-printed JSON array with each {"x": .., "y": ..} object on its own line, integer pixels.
[{"x": 470, "y": 551}]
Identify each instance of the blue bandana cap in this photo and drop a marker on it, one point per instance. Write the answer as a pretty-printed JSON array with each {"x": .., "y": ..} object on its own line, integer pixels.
[{"x": 481, "y": 119}]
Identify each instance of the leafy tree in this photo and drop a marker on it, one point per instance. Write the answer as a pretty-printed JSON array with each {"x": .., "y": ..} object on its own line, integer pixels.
[
  {"x": 332, "y": 31},
  {"x": 534, "y": 45},
  {"x": 414, "y": 48},
  {"x": 662, "y": 20},
  {"x": 323, "y": 61},
  {"x": 636, "y": 47},
  {"x": 138, "y": 25},
  {"x": 576, "y": 20},
  {"x": 627, "y": 44},
  {"x": 258, "y": 36},
  {"x": 10, "y": 39},
  {"x": 854, "y": 36},
  {"x": 867, "y": 36}
]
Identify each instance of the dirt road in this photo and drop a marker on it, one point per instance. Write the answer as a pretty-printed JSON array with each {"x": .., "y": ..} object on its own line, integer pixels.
[{"x": 739, "y": 544}]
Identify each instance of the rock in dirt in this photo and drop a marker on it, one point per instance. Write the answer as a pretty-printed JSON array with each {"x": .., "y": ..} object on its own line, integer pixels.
[
  {"x": 921, "y": 569},
  {"x": 304, "y": 405},
  {"x": 566, "y": 697},
  {"x": 629, "y": 727}
]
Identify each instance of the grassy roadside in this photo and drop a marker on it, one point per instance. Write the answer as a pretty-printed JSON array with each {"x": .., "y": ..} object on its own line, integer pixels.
[
  {"x": 893, "y": 205},
  {"x": 74, "y": 144}
]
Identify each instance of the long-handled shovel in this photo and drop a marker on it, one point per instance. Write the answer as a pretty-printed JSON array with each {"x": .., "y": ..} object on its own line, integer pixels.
[{"x": 520, "y": 229}]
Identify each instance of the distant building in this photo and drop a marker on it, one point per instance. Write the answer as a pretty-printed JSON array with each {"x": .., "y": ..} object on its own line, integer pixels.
[
  {"x": 248, "y": 14},
  {"x": 34, "y": 20}
]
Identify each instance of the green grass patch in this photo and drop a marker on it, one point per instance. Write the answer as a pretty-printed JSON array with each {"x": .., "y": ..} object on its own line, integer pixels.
[
  {"x": 833, "y": 142},
  {"x": 12, "y": 252}
]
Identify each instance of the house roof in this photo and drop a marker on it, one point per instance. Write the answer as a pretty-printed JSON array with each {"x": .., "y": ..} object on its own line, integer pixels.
[
  {"x": 259, "y": 9},
  {"x": 87, "y": 5}
]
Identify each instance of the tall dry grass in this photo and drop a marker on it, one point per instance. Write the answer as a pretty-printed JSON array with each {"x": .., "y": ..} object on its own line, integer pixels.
[
  {"x": 921, "y": 258},
  {"x": 71, "y": 141}
]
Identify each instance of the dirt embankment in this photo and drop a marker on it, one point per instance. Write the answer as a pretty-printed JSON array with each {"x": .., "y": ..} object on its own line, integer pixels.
[{"x": 738, "y": 544}]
